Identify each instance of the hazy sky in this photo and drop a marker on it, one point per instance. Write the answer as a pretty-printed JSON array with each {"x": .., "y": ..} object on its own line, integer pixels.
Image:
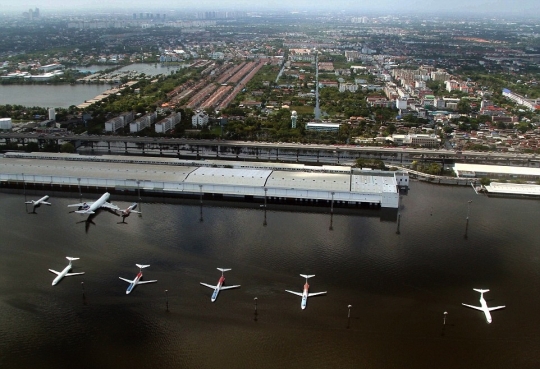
[{"x": 514, "y": 7}]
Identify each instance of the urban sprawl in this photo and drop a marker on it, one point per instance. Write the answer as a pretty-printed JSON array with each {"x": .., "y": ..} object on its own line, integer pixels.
[{"x": 420, "y": 81}]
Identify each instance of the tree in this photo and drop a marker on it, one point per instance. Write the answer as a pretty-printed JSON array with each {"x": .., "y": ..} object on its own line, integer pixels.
[
  {"x": 67, "y": 147},
  {"x": 463, "y": 106},
  {"x": 31, "y": 147}
]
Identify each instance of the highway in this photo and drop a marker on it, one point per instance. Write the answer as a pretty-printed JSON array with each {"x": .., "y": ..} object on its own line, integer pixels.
[{"x": 265, "y": 150}]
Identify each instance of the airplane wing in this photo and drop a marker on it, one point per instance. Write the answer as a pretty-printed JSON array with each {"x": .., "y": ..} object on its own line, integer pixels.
[
  {"x": 110, "y": 206},
  {"x": 473, "y": 307},
  {"x": 496, "y": 308},
  {"x": 229, "y": 287},
  {"x": 296, "y": 293},
  {"x": 316, "y": 293},
  {"x": 70, "y": 274},
  {"x": 54, "y": 271},
  {"x": 142, "y": 282},
  {"x": 46, "y": 203},
  {"x": 84, "y": 212},
  {"x": 81, "y": 204},
  {"x": 127, "y": 280},
  {"x": 135, "y": 211},
  {"x": 29, "y": 202},
  {"x": 209, "y": 286}
]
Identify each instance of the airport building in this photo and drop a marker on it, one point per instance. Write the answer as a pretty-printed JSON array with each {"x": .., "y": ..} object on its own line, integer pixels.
[
  {"x": 496, "y": 171},
  {"x": 240, "y": 180}
]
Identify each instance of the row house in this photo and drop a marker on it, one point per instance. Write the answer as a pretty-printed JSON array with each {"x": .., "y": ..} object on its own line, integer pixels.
[
  {"x": 521, "y": 100},
  {"x": 199, "y": 119},
  {"x": 452, "y": 85},
  {"x": 327, "y": 83},
  {"x": 168, "y": 123},
  {"x": 352, "y": 87},
  {"x": 378, "y": 101},
  {"x": 301, "y": 55},
  {"x": 142, "y": 122},
  {"x": 121, "y": 121}
]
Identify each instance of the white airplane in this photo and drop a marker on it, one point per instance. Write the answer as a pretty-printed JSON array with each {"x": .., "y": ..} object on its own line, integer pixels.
[
  {"x": 64, "y": 273},
  {"x": 38, "y": 203},
  {"x": 484, "y": 306},
  {"x": 91, "y": 207},
  {"x": 137, "y": 279},
  {"x": 219, "y": 286},
  {"x": 305, "y": 294},
  {"x": 130, "y": 209}
]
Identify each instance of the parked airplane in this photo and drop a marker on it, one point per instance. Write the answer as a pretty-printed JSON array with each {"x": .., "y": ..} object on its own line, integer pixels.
[
  {"x": 484, "y": 306},
  {"x": 64, "y": 273},
  {"x": 38, "y": 203},
  {"x": 137, "y": 279},
  {"x": 130, "y": 209},
  {"x": 219, "y": 286},
  {"x": 305, "y": 294},
  {"x": 91, "y": 207}
]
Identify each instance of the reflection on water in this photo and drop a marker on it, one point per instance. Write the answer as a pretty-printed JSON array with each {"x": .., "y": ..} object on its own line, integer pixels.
[
  {"x": 398, "y": 286},
  {"x": 59, "y": 96}
]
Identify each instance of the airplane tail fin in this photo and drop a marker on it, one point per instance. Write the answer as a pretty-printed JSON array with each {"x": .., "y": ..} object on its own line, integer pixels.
[
  {"x": 223, "y": 270},
  {"x": 71, "y": 259},
  {"x": 306, "y": 276},
  {"x": 481, "y": 291},
  {"x": 142, "y": 266}
]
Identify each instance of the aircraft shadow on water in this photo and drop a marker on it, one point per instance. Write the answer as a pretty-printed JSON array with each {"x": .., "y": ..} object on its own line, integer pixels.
[{"x": 90, "y": 219}]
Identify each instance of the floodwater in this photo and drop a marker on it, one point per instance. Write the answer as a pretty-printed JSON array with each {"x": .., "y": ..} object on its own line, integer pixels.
[
  {"x": 63, "y": 96},
  {"x": 399, "y": 285}
]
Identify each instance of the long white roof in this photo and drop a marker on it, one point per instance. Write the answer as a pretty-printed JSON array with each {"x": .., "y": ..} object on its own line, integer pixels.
[
  {"x": 500, "y": 169},
  {"x": 514, "y": 188},
  {"x": 309, "y": 181},
  {"x": 229, "y": 176}
]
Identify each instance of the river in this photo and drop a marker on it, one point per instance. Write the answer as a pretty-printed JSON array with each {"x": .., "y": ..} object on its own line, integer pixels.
[{"x": 399, "y": 285}]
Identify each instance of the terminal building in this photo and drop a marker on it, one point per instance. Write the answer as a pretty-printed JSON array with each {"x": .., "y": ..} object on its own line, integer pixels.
[{"x": 241, "y": 180}]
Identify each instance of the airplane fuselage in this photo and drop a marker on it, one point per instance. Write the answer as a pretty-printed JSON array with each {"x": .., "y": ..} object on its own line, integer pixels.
[
  {"x": 305, "y": 294},
  {"x": 44, "y": 198},
  {"x": 102, "y": 200},
  {"x": 61, "y": 275},
  {"x": 134, "y": 283},
  {"x": 128, "y": 210},
  {"x": 38, "y": 203},
  {"x": 218, "y": 287},
  {"x": 485, "y": 308}
]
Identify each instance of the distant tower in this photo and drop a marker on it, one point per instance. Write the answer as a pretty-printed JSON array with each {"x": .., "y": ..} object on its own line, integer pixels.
[
  {"x": 317, "y": 110},
  {"x": 52, "y": 114},
  {"x": 294, "y": 116}
]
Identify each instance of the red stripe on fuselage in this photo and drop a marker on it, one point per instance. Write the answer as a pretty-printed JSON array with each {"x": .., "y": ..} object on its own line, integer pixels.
[{"x": 221, "y": 281}]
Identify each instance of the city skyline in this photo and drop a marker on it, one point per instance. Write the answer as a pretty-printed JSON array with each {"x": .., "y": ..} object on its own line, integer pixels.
[{"x": 508, "y": 7}]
